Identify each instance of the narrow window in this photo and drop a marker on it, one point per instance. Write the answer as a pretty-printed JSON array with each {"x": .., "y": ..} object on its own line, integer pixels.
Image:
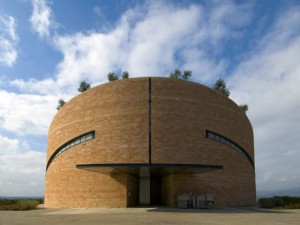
[
  {"x": 83, "y": 138},
  {"x": 229, "y": 143},
  {"x": 211, "y": 135},
  {"x": 71, "y": 143},
  {"x": 77, "y": 141},
  {"x": 223, "y": 140}
]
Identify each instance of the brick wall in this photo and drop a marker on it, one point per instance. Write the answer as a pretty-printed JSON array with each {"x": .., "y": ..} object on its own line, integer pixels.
[{"x": 118, "y": 112}]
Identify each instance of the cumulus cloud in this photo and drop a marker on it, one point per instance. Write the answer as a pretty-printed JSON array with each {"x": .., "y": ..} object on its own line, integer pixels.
[
  {"x": 8, "y": 40},
  {"x": 151, "y": 40},
  {"x": 21, "y": 170},
  {"x": 23, "y": 116},
  {"x": 41, "y": 18},
  {"x": 268, "y": 81},
  {"x": 26, "y": 114},
  {"x": 148, "y": 40}
]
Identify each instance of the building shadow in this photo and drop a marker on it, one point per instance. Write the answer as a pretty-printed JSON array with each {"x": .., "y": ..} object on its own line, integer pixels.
[{"x": 248, "y": 210}]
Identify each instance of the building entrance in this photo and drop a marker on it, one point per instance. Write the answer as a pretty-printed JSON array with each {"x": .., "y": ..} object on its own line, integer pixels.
[
  {"x": 149, "y": 188},
  {"x": 149, "y": 184},
  {"x": 155, "y": 190}
]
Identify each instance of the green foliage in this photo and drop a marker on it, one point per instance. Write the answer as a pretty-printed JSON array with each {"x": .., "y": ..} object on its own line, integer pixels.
[
  {"x": 19, "y": 204},
  {"x": 244, "y": 107},
  {"x": 284, "y": 202},
  {"x": 178, "y": 74},
  {"x": 61, "y": 103},
  {"x": 175, "y": 74},
  {"x": 112, "y": 76},
  {"x": 125, "y": 75},
  {"x": 84, "y": 86},
  {"x": 291, "y": 206},
  {"x": 187, "y": 74},
  {"x": 220, "y": 86}
]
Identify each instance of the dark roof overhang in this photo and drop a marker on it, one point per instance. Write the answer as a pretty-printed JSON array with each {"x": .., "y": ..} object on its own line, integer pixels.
[{"x": 140, "y": 169}]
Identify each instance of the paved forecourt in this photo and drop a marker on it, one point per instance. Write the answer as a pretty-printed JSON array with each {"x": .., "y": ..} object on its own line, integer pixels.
[{"x": 157, "y": 216}]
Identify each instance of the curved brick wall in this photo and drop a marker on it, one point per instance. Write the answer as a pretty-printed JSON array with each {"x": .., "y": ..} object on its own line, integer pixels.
[{"x": 118, "y": 112}]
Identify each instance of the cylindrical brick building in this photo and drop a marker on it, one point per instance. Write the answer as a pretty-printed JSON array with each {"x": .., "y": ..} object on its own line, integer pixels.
[{"x": 146, "y": 141}]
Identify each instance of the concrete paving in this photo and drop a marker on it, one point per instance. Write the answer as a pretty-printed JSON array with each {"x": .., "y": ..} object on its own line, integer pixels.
[{"x": 150, "y": 216}]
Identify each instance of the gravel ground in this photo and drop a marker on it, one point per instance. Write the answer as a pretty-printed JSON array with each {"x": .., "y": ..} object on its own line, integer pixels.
[{"x": 150, "y": 216}]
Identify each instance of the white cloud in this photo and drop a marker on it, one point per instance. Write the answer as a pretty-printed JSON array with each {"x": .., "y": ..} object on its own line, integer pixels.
[
  {"x": 21, "y": 170},
  {"x": 12, "y": 143},
  {"x": 8, "y": 40},
  {"x": 41, "y": 18},
  {"x": 148, "y": 40},
  {"x": 26, "y": 114},
  {"x": 44, "y": 87},
  {"x": 268, "y": 81},
  {"x": 23, "y": 116}
]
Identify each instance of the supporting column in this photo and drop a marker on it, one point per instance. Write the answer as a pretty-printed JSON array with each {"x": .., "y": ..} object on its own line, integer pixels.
[{"x": 144, "y": 186}]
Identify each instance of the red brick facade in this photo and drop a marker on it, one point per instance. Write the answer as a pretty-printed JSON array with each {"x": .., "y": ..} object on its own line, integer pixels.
[{"x": 180, "y": 114}]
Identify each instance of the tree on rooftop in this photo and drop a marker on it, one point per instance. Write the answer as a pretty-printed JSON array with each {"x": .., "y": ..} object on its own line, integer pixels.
[
  {"x": 175, "y": 74},
  {"x": 220, "y": 86},
  {"x": 178, "y": 74},
  {"x": 84, "y": 86},
  {"x": 112, "y": 76},
  {"x": 187, "y": 74},
  {"x": 61, "y": 103},
  {"x": 244, "y": 107},
  {"x": 125, "y": 75}
]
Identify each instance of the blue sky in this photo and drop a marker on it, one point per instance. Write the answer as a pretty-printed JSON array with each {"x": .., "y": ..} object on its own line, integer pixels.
[{"x": 48, "y": 47}]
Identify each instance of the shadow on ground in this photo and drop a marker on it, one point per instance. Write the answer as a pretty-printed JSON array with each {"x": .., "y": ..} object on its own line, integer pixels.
[{"x": 218, "y": 211}]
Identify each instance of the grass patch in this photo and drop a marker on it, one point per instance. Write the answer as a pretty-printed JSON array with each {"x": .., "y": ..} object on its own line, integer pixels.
[
  {"x": 280, "y": 202},
  {"x": 19, "y": 204}
]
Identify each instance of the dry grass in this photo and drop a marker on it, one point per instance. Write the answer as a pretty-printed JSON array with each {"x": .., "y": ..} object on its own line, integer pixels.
[{"x": 18, "y": 204}]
